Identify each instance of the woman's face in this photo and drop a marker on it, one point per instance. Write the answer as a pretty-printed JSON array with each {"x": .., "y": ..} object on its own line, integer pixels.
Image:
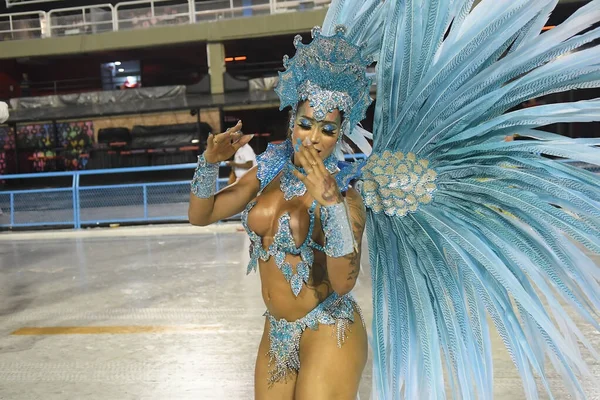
[{"x": 323, "y": 135}]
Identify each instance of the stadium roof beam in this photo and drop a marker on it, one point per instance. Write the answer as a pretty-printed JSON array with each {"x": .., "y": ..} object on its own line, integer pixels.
[{"x": 218, "y": 31}]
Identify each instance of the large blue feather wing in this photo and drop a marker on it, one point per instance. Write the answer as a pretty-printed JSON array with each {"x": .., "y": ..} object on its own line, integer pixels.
[{"x": 499, "y": 236}]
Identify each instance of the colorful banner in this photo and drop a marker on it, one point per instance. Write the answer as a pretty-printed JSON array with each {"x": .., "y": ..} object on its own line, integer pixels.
[
  {"x": 77, "y": 139},
  {"x": 41, "y": 149},
  {"x": 7, "y": 146},
  {"x": 36, "y": 137}
]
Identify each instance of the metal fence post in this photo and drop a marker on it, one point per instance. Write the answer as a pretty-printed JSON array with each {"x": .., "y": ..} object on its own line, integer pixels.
[
  {"x": 76, "y": 216},
  {"x": 114, "y": 11},
  {"x": 145, "y": 189},
  {"x": 12, "y": 209},
  {"x": 192, "y": 11}
]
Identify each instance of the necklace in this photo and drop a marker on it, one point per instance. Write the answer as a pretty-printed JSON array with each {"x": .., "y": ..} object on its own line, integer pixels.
[{"x": 291, "y": 186}]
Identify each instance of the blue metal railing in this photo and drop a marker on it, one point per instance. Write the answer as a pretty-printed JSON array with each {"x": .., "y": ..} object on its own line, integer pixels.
[{"x": 80, "y": 205}]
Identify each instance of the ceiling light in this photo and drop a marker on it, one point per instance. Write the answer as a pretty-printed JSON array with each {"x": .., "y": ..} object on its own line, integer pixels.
[
  {"x": 117, "y": 62},
  {"x": 195, "y": 141},
  {"x": 121, "y": 70}
]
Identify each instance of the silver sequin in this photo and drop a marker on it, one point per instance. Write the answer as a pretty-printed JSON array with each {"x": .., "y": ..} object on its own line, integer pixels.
[
  {"x": 396, "y": 184},
  {"x": 330, "y": 72},
  {"x": 284, "y": 336},
  {"x": 339, "y": 238},
  {"x": 204, "y": 183},
  {"x": 270, "y": 164}
]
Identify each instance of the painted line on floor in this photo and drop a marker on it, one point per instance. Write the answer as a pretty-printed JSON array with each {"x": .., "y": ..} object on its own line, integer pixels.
[
  {"x": 125, "y": 231},
  {"x": 110, "y": 330}
]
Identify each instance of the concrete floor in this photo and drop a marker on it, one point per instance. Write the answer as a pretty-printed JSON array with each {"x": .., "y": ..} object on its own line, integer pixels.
[{"x": 148, "y": 313}]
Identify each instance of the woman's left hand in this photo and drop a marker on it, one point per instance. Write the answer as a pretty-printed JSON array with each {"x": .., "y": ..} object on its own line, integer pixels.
[{"x": 319, "y": 182}]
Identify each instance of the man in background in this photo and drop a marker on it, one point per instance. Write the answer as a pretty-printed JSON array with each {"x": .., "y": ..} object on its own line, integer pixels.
[
  {"x": 243, "y": 160},
  {"x": 3, "y": 112}
]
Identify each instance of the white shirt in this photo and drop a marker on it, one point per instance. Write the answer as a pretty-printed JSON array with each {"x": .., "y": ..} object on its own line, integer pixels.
[
  {"x": 243, "y": 155},
  {"x": 3, "y": 112}
]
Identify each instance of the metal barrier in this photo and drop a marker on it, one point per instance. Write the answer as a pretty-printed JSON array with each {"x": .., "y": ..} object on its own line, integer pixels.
[
  {"x": 24, "y": 25},
  {"x": 84, "y": 20},
  {"x": 12, "y": 3},
  {"x": 139, "y": 14},
  {"x": 226, "y": 9},
  {"x": 79, "y": 205},
  {"x": 148, "y": 13},
  {"x": 298, "y": 5}
]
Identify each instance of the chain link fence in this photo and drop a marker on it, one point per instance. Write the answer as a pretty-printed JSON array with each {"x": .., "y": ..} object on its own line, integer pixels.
[{"x": 83, "y": 205}]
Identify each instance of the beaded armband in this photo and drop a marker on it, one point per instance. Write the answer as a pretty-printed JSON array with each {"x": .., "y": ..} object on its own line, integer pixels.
[
  {"x": 339, "y": 238},
  {"x": 204, "y": 183}
]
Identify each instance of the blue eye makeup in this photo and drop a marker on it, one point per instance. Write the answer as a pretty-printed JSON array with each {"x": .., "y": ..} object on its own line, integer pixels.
[
  {"x": 329, "y": 129},
  {"x": 304, "y": 123}
]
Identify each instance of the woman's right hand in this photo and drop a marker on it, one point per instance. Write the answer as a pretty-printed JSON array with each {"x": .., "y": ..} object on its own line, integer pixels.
[{"x": 223, "y": 146}]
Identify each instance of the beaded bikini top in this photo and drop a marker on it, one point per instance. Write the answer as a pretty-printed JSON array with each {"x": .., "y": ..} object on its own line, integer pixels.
[{"x": 270, "y": 164}]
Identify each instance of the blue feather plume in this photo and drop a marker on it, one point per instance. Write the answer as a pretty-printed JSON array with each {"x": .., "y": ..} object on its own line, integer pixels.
[{"x": 500, "y": 239}]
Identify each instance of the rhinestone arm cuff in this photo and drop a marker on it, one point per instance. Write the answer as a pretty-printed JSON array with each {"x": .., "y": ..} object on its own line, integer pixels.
[
  {"x": 339, "y": 238},
  {"x": 204, "y": 183}
]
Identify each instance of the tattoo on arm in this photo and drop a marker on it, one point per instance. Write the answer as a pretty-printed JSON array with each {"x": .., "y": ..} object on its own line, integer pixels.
[
  {"x": 354, "y": 260},
  {"x": 358, "y": 220}
]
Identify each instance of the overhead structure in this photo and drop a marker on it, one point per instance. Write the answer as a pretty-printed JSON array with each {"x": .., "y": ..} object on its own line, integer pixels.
[{"x": 12, "y": 3}]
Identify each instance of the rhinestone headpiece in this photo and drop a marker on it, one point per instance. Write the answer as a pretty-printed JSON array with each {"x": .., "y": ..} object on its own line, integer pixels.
[{"x": 329, "y": 72}]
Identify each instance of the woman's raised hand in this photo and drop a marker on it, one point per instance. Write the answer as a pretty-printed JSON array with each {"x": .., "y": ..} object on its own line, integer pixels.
[
  {"x": 319, "y": 182},
  {"x": 222, "y": 146}
]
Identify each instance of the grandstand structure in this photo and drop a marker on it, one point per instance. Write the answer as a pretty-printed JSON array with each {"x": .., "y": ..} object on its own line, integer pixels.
[
  {"x": 111, "y": 74},
  {"x": 121, "y": 68},
  {"x": 100, "y": 84}
]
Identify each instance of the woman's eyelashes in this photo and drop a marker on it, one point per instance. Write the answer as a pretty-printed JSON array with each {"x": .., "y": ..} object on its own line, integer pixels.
[
  {"x": 305, "y": 124},
  {"x": 328, "y": 129}
]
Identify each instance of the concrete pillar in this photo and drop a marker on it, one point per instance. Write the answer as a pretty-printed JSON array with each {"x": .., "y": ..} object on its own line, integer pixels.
[{"x": 216, "y": 66}]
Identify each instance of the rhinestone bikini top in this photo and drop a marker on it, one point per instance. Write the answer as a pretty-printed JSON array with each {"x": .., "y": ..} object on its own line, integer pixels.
[{"x": 270, "y": 164}]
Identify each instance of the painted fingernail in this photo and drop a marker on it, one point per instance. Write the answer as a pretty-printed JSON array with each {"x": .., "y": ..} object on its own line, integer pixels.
[
  {"x": 240, "y": 121},
  {"x": 297, "y": 147},
  {"x": 298, "y": 142}
]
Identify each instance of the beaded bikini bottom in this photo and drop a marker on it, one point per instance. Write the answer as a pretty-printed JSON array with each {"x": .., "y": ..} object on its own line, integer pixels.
[{"x": 284, "y": 336}]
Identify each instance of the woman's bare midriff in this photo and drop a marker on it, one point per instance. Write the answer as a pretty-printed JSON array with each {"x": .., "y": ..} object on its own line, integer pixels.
[
  {"x": 277, "y": 292},
  {"x": 279, "y": 299}
]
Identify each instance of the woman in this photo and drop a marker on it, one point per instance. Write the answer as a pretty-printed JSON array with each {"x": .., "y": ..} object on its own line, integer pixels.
[
  {"x": 267, "y": 216},
  {"x": 463, "y": 226}
]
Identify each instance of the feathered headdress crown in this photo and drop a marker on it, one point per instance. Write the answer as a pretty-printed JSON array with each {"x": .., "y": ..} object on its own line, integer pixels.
[{"x": 329, "y": 72}]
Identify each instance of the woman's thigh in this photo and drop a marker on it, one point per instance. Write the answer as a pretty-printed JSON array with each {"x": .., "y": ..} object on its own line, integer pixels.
[
  {"x": 262, "y": 389},
  {"x": 328, "y": 371}
]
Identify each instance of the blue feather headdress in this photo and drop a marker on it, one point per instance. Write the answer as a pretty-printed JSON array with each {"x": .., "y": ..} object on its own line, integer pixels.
[{"x": 331, "y": 73}]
